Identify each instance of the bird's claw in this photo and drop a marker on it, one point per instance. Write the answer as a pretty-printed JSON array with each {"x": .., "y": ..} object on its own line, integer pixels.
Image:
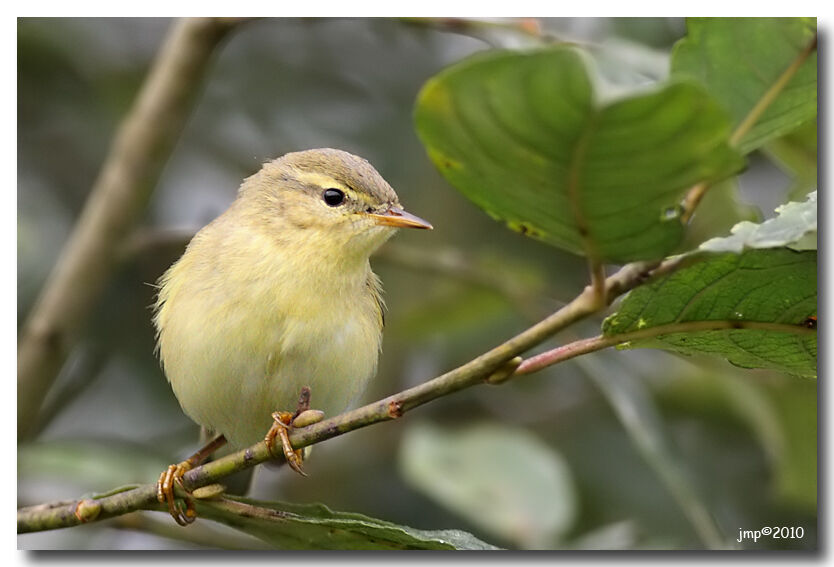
[
  {"x": 173, "y": 476},
  {"x": 165, "y": 493},
  {"x": 282, "y": 421}
]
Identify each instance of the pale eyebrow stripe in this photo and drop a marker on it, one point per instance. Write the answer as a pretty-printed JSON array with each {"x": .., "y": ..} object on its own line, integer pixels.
[
  {"x": 326, "y": 182},
  {"x": 320, "y": 179}
]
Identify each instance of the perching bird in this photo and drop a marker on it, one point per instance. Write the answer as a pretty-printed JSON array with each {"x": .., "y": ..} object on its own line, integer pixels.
[{"x": 276, "y": 294}]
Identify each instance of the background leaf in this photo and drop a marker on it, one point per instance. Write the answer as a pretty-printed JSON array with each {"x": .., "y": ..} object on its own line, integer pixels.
[
  {"x": 779, "y": 410},
  {"x": 502, "y": 479},
  {"x": 739, "y": 59},
  {"x": 315, "y": 526},
  {"x": 629, "y": 398},
  {"x": 523, "y": 137}
]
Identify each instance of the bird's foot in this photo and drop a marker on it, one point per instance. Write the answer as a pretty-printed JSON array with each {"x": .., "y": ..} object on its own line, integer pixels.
[
  {"x": 165, "y": 493},
  {"x": 283, "y": 421},
  {"x": 183, "y": 513}
]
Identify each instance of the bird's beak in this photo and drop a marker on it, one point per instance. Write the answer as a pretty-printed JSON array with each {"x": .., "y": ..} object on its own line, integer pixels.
[{"x": 399, "y": 218}]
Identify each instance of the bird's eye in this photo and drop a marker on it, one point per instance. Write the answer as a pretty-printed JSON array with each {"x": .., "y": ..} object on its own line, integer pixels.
[{"x": 333, "y": 197}]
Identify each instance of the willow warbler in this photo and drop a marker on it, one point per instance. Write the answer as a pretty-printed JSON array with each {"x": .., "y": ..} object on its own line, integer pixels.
[{"x": 277, "y": 293}]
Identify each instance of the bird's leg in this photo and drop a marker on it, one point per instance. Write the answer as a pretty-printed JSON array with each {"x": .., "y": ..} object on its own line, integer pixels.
[
  {"x": 303, "y": 401},
  {"x": 284, "y": 420},
  {"x": 173, "y": 475}
]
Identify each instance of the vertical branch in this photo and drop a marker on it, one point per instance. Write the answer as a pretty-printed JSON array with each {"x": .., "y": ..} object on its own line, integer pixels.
[
  {"x": 597, "y": 270},
  {"x": 133, "y": 166}
]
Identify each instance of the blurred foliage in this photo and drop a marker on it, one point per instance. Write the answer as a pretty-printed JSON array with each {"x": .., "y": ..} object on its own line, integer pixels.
[
  {"x": 740, "y": 59},
  {"x": 797, "y": 154},
  {"x": 741, "y": 444},
  {"x": 500, "y": 478}
]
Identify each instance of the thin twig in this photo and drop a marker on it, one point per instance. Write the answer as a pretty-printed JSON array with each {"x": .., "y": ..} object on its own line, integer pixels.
[
  {"x": 584, "y": 346},
  {"x": 597, "y": 271},
  {"x": 118, "y": 197}
]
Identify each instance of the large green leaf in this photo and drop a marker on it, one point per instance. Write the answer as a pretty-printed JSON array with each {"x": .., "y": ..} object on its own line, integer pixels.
[
  {"x": 767, "y": 295},
  {"x": 740, "y": 59},
  {"x": 314, "y": 526},
  {"x": 522, "y": 135}
]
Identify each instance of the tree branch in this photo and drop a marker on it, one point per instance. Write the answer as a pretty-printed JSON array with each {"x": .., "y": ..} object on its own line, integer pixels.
[
  {"x": 496, "y": 363},
  {"x": 132, "y": 168},
  {"x": 584, "y": 346}
]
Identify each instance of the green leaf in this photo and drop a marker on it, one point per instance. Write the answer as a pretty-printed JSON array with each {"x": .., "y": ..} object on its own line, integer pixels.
[
  {"x": 523, "y": 136},
  {"x": 740, "y": 59},
  {"x": 502, "y": 479},
  {"x": 314, "y": 526},
  {"x": 757, "y": 302}
]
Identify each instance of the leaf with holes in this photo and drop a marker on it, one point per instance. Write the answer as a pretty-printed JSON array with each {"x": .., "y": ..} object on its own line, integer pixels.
[
  {"x": 740, "y": 59},
  {"x": 523, "y": 136}
]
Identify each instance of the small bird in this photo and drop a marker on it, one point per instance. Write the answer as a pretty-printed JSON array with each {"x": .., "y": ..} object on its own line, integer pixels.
[{"x": 277, "y": 294}]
